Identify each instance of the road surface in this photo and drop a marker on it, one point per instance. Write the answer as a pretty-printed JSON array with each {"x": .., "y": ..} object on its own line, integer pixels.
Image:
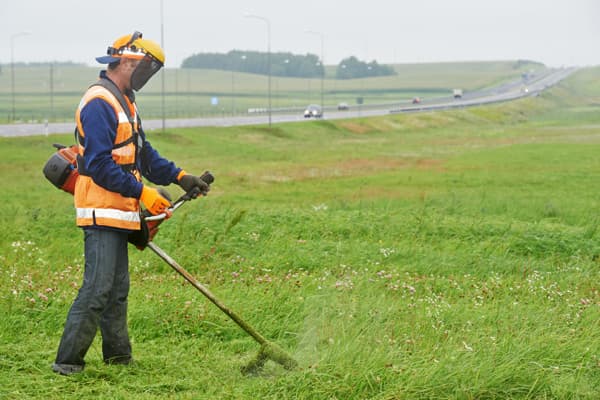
[{"x": 509, "y": 91}]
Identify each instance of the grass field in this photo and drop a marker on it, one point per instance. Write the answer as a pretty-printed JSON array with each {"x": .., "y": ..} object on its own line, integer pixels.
[
  {"x": 42, "y": 93},
  {"x": 449, "y": 255}
]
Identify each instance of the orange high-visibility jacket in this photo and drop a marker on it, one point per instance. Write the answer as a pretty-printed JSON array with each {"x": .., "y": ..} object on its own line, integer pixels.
[{"x": 94, "y": 204}]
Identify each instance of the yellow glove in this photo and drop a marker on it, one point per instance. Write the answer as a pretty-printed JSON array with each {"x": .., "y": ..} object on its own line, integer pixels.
[{"x": 154, "y": 201}]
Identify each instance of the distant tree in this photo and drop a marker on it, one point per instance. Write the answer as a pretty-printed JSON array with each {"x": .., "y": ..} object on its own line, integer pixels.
[
  {"x": 282, "y": 64},
  {"x": 527, "y": 63},
  {"x": 352, "y": 67}
]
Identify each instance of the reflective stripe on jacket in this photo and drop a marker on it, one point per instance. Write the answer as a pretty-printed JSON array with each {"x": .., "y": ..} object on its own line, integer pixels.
[{"x": 96, "y": 205}]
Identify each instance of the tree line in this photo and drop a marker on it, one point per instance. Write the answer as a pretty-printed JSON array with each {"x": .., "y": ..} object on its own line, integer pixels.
[
  {"x": 254, "y": 62},
  {"x": 352, "y": 67},
  {"x": 284, "y": 64}
]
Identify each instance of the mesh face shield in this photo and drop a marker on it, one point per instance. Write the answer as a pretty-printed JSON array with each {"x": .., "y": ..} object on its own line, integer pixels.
[{"x": 147, "y": 67}]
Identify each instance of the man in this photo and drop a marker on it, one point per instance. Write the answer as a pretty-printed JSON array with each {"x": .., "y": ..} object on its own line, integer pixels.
[{"x": 113, "y": 156}]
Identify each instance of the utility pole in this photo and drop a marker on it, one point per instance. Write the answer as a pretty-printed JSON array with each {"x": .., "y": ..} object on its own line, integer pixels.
[
  {"x": 162, "y": 44},
  {"x": 51, "y": 91},
  {"x": 12, "y": 70},
  {"x": 322, "y": 36},
  {"x": 268, "y": 58}
]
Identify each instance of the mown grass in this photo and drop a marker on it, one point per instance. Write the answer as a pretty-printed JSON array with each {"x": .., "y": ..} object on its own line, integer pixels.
[{"x": 443, "y": 255}]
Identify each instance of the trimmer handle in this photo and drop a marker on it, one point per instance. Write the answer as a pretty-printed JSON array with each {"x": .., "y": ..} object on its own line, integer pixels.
[
  {"x": 192, "y": 194},
  {"x": 207, "y": 177}
]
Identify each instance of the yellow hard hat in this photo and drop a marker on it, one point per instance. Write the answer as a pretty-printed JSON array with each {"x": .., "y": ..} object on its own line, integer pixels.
[{"x": 132, "y": 46}]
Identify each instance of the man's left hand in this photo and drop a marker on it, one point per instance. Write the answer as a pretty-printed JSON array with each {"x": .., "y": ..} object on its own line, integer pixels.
[{"x": 189, "y": 182}]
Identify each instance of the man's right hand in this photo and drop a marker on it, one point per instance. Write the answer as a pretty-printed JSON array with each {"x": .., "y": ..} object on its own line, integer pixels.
[{"x": 154, "y": 201}]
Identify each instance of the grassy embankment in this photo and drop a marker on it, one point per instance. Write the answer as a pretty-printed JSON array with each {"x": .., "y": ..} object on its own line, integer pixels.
[{"x": 442, "y": 255}]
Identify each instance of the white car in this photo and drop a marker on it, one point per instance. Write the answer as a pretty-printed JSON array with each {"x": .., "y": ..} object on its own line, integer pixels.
[{"x": 313, "y": 111}]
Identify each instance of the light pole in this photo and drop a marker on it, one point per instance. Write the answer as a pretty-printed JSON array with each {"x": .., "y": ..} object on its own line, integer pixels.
[
  {"x": 12, "y": 69},
  {"x": 51, "y": 91},
  {"x": 162, "y": 85},
  {"x": 233, "y": 67},
  {"x": 286, "y": 62},
  {"x": 322, "y": 36},
  {"x": 265, "y": 20},
  {"x": 232, "y": 90}
]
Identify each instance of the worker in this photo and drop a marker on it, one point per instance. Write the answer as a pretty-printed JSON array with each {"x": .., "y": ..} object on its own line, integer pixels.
[{"x": 114, "y": 154}]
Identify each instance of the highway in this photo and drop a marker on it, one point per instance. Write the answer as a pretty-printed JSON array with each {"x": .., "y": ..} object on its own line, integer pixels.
[{"x": 513, "y": 90}]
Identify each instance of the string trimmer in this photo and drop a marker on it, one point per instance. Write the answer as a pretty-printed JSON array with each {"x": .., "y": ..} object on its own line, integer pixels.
[
  {"x": 268, "y": 350},
  {"x": 61, "y": 171}
]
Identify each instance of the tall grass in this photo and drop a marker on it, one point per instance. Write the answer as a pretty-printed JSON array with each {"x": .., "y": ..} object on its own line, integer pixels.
[{"x": 446, "y": 255}]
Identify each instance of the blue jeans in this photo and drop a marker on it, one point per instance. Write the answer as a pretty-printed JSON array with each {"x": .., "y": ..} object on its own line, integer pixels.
[{"x": 101, "y": 301}]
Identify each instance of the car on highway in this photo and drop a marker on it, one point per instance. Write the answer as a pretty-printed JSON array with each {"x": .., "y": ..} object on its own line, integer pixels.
[
  {"x": 416, "y": 100},
  {"x": 343, "y": 107},
  {"x": 313, "y": 111}
]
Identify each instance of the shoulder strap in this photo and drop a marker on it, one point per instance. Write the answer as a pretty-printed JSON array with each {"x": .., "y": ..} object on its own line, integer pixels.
[{"x": 114, "y": 90}]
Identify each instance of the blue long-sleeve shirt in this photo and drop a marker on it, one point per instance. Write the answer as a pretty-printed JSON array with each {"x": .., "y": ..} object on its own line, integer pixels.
[{"x": 99, "y": 123}]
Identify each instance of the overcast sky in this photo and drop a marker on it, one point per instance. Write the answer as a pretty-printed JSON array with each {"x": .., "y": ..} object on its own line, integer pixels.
[{"x": 555, "y": 32}]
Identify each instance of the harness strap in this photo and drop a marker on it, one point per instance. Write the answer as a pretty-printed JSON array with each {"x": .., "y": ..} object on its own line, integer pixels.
[
  {"x": 135, "y": 137},
  {"x": 124, "y": 143},
  {"x": 114, "y": 90}
]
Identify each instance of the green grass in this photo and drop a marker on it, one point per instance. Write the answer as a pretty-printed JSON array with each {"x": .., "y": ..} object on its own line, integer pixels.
[
  {"x": 423, "y": 256},
  {"x": 188, "y": 93}
]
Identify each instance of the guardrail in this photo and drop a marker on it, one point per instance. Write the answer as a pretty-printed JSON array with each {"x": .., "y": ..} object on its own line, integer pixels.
[
  {"x": 536, "y": 86},
  {"x": 288, "y": 114}
]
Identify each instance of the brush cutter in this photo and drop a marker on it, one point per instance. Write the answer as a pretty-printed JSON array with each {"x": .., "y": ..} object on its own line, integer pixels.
[
  {"x": 61, "y": 171},
  {"x": 268, "y": 350}
]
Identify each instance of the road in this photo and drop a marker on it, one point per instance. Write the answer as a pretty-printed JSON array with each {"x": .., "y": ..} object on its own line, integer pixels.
[{"x": 518, "y": 88}]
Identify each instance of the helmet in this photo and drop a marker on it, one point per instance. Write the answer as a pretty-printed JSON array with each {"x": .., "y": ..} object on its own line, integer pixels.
[
  {"x": 133, "y": 46},
  {"x": 151, "y": 56}
]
